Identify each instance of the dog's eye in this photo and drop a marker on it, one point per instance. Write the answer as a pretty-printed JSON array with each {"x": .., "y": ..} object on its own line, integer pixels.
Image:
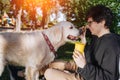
[{"x": 71, "y": 27}]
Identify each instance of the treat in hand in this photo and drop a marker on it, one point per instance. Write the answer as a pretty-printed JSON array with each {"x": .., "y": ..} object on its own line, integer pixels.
[{"x": 82, "y": 30}]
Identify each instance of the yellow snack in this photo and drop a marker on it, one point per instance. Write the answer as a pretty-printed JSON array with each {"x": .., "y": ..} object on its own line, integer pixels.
[{"x": 79, "y": 46}]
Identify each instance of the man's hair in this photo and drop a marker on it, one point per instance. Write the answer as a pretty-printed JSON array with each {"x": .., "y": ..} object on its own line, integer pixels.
[{"x": 99, "y": 13}]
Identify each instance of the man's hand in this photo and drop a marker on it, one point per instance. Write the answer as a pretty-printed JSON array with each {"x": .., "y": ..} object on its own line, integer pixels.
[
  {"x": 83, "y": 34},
  {"x": 79, "y": 59}
]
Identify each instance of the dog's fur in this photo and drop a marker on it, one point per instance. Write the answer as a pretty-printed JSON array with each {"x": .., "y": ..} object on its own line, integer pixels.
[{"x": 29, "y": 49}]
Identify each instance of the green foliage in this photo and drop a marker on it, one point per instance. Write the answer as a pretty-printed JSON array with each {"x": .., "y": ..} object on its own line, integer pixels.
[
  {"x": 65, "y": 51},
  {"x": 76, "y": 9},
  {"x": 4, "y": 6}
]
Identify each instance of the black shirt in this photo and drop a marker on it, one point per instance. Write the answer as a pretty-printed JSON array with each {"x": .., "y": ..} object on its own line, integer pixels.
[{"x": 102, "y": 59}]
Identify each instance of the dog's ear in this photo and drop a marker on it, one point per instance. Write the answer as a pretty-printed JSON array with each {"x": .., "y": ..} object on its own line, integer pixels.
[
  {"x": 57, "y": 30},
  {"x": 58, "y": 33}
]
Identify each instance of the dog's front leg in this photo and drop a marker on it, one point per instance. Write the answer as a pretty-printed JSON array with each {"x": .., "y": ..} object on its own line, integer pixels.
[{"x": 31, "y": 73}]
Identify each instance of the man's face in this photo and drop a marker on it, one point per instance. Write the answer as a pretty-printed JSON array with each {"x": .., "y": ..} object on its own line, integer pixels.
[{"x": 94, "y": 27}]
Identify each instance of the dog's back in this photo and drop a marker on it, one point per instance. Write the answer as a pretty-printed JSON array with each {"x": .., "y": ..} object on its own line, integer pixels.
[
  {"x": 16, "y": 46},
  {"x": 31, "y": 50}
]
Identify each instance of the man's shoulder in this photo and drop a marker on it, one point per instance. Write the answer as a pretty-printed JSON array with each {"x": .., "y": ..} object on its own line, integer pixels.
[
  {"x": 114, "y": 36},
  {"x": 117, "y": 37},
  {"x": 112, "y": 39}
]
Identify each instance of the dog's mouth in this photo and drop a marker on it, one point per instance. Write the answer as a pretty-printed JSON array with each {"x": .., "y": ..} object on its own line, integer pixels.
[{"x": 71, "y": 37}]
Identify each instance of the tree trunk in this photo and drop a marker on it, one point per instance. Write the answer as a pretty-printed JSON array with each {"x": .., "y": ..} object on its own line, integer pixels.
[
  {"x": 45, "y": 18},
  {"x": 18, "y": 21}
]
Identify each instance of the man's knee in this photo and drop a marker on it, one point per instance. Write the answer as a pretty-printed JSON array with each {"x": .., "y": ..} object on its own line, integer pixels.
[{"x": 48, "y": 73}]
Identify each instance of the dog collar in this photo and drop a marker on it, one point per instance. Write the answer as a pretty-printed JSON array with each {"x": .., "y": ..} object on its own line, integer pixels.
[{"x": 49, "y": 43}]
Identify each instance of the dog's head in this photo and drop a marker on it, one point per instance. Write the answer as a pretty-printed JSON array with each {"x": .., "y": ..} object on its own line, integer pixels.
[{"x": 69, "y": 30}]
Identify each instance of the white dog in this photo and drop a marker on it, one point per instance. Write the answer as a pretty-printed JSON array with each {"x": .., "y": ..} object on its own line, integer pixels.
[{"x": 32, "y": 49}]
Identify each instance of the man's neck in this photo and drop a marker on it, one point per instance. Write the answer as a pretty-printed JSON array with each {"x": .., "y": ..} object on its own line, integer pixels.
[{"x": 103, "y": 32}]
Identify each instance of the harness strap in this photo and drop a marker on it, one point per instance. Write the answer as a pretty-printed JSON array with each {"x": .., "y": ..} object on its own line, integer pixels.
[{"x": 49, "y": 44}]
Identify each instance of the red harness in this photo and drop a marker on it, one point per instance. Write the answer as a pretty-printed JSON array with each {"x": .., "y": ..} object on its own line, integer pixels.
[{"x": 49, "y": 43}]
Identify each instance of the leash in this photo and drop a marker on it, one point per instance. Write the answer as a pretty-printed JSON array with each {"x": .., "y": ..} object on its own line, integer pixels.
[{"x": 49, "y": 44}]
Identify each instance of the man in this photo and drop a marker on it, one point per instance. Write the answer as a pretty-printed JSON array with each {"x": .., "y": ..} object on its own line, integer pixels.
[{"x": 100, "y": 60}]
